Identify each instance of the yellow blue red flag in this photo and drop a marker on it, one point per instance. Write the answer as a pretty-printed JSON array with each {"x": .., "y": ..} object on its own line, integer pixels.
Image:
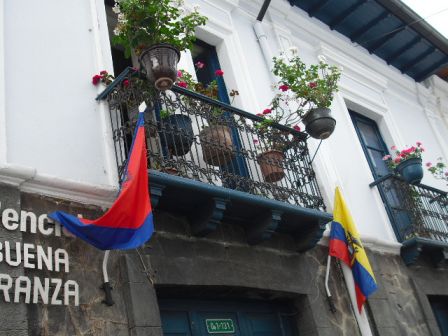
[{"x": 345, "y": 244}]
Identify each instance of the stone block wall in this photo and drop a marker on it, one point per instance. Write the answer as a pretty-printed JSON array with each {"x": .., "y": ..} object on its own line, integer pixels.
[{"x": 176, "y": 260}]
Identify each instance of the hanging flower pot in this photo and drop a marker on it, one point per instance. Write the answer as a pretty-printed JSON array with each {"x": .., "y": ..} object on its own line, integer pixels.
[
  {"x": 319, "y": 123},
  {"x": 177, "y": 133},
  {"x": 160, "y": 62},
  {"x": 271, "y": 165},
  {"x": 411, "y": 170},
  {"x": 217, "y": 145}
]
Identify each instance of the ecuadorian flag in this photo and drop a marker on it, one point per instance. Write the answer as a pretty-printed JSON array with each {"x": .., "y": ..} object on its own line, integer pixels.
[
  {"x": 128, "y": 223},
  {"x": 346, "y": 245}
]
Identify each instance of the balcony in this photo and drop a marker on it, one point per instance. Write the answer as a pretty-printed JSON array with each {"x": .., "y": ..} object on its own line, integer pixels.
[
  {"x": 419, "y": 215},
  {"x": 208, "y": 161}
]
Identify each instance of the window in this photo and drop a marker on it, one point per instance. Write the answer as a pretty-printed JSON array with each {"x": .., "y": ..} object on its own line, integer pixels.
[{"x": 374, "y": 149}]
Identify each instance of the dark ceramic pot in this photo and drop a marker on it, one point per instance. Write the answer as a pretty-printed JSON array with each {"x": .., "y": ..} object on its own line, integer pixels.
[
  {"x": 177, "y": 134},
  {"x": 160, "y": 62},
  {"x": 411, "y": 170},
  {"x": 319, "y": 123}
]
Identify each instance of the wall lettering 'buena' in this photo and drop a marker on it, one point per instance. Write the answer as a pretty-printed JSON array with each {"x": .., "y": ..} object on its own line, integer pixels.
[{"x": 52, "y": 291}]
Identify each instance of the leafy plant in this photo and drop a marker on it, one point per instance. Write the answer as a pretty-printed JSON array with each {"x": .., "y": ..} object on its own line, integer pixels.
[
  {"x": 439, "y": 170},
  {"x": 402, "y": 155},
  {"x": 142, "y": 23},
  {"x": 303, "y": 87}
]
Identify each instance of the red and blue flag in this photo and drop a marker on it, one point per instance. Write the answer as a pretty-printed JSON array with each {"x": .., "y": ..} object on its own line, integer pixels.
[
  {"x": 345, "y": 244},
  {"x": 129, "y": 222}
]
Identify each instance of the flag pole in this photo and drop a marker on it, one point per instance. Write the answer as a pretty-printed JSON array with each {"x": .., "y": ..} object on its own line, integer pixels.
[
  {"x": 361, "y": 318},
  {"x": 108, "y": 300},
  {"x": 327, "y": 288}
]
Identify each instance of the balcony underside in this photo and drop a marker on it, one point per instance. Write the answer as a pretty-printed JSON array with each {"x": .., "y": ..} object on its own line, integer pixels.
[
  {"x": 206, "y": 206},
  {"x": 434, "y": 251}
]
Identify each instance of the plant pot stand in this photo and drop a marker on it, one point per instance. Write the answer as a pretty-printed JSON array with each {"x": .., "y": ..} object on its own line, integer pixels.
[
  {"x": 217, "y": 145},
  {"x": 411, "y": 170},
  {"x": 271, "y": 165},
  {"x": 160, "y": 62},
  {"x": 319, "y": 123},
  {"x": 177, "y": 133}
]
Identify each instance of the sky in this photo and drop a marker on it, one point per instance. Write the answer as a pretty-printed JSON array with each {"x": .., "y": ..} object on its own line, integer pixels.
[{"x": 435, "y": 12}]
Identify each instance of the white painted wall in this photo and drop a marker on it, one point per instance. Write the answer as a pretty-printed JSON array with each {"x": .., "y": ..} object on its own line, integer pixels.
[{"x": 57, "y": 131}]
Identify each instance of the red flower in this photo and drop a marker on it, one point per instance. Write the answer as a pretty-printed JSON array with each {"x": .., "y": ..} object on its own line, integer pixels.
[
  {"x": 419, "y": 143},
  {"x": 267, "y": 111},
  {"x": 428, "y": 164},
  {"x": 199, "y": 64},
  {"x": 126, "y": 83},
  {"x": 182, "y": 84},
  {"x": 219, "y": 73},
  {"x": 96, "y": 79},
  {"x": 104, "y": 72},
  {"x": 297, "y": 128},
  {"x": 312, "y": 84},
  {"x": 179, "y": 73},
  {"x": 284, "y": 87},
  {"x": 397, "y": 160}
]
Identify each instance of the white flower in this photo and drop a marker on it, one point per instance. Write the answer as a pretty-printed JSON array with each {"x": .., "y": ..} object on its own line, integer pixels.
[
  {"x": 117, "y": 31},
  {"x": 293, "y": 50},
  {"x": 122, "y": 18},
  {"x": 322, "y": 58},
  {"x": 196, "y": 8},
  {"x": 116, "y": 9}
]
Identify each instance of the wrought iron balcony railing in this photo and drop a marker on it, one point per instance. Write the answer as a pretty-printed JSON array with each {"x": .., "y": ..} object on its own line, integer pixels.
[
  {"x": 419, "y": 214},
  {"x": 195, "y": 137}
]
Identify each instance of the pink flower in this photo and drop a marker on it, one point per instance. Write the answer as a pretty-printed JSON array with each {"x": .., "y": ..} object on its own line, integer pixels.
[
  {"x": 284, "y": 87},
  {"x": 104, "y": 72},
  {"x": 182, "y": 84},
  {"x": 297, "y": 128},
  {"x": 255, "y": 141},
  {"x": 422, "y": 149},
  {"x": 267, "y": 111},
  {"x": 397, "y": 160},
  {"x": 386, "y": 157},
  {"x": 219, "y": 73},
  {"x": 418, "y": 143},
  {"x": 312, "y": 85},
  {"x": 199, "y": 65},
  {"x": 394, "y": 148},
  {"x": 179, "y": 73},
  {"x": 126, "y": 83},
  {"x": 96, "y": 79},
  {"x": 428, "y": 164},
  {"x": 260, "y": 114}
]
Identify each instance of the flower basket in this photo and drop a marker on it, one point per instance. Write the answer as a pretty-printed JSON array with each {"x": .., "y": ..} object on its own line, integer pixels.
[
  {"x": 177, "y": 133},
  {"x": 217, "y": 145},
  {"x": 411, "y": 170},
  {"x": 319, "y": 123},
  {"x": 271, "y": 165},
  {"x": 160, "y": 62}
]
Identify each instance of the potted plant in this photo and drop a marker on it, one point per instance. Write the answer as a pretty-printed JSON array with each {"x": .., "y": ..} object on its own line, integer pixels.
[
  {"x": 177, "y": 132},
  {"x": 156, "y": 30},
  {"x": 310, "y": 90},
  {"x": 439, "y": 170},
  {"x": 407, "y": 163},
  {"x": 216, "y": 138},
  {"x": 275, "y": 143}
]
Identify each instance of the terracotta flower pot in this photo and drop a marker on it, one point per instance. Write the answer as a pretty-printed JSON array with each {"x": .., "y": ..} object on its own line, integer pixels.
[
  {"x": 160, "y": 62},
  {"x": 271, "y": 165},
  {"x": 217, "y": 145},
  {"x": 411, "y": 170},
  {"x": 319, "y": 123}
]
